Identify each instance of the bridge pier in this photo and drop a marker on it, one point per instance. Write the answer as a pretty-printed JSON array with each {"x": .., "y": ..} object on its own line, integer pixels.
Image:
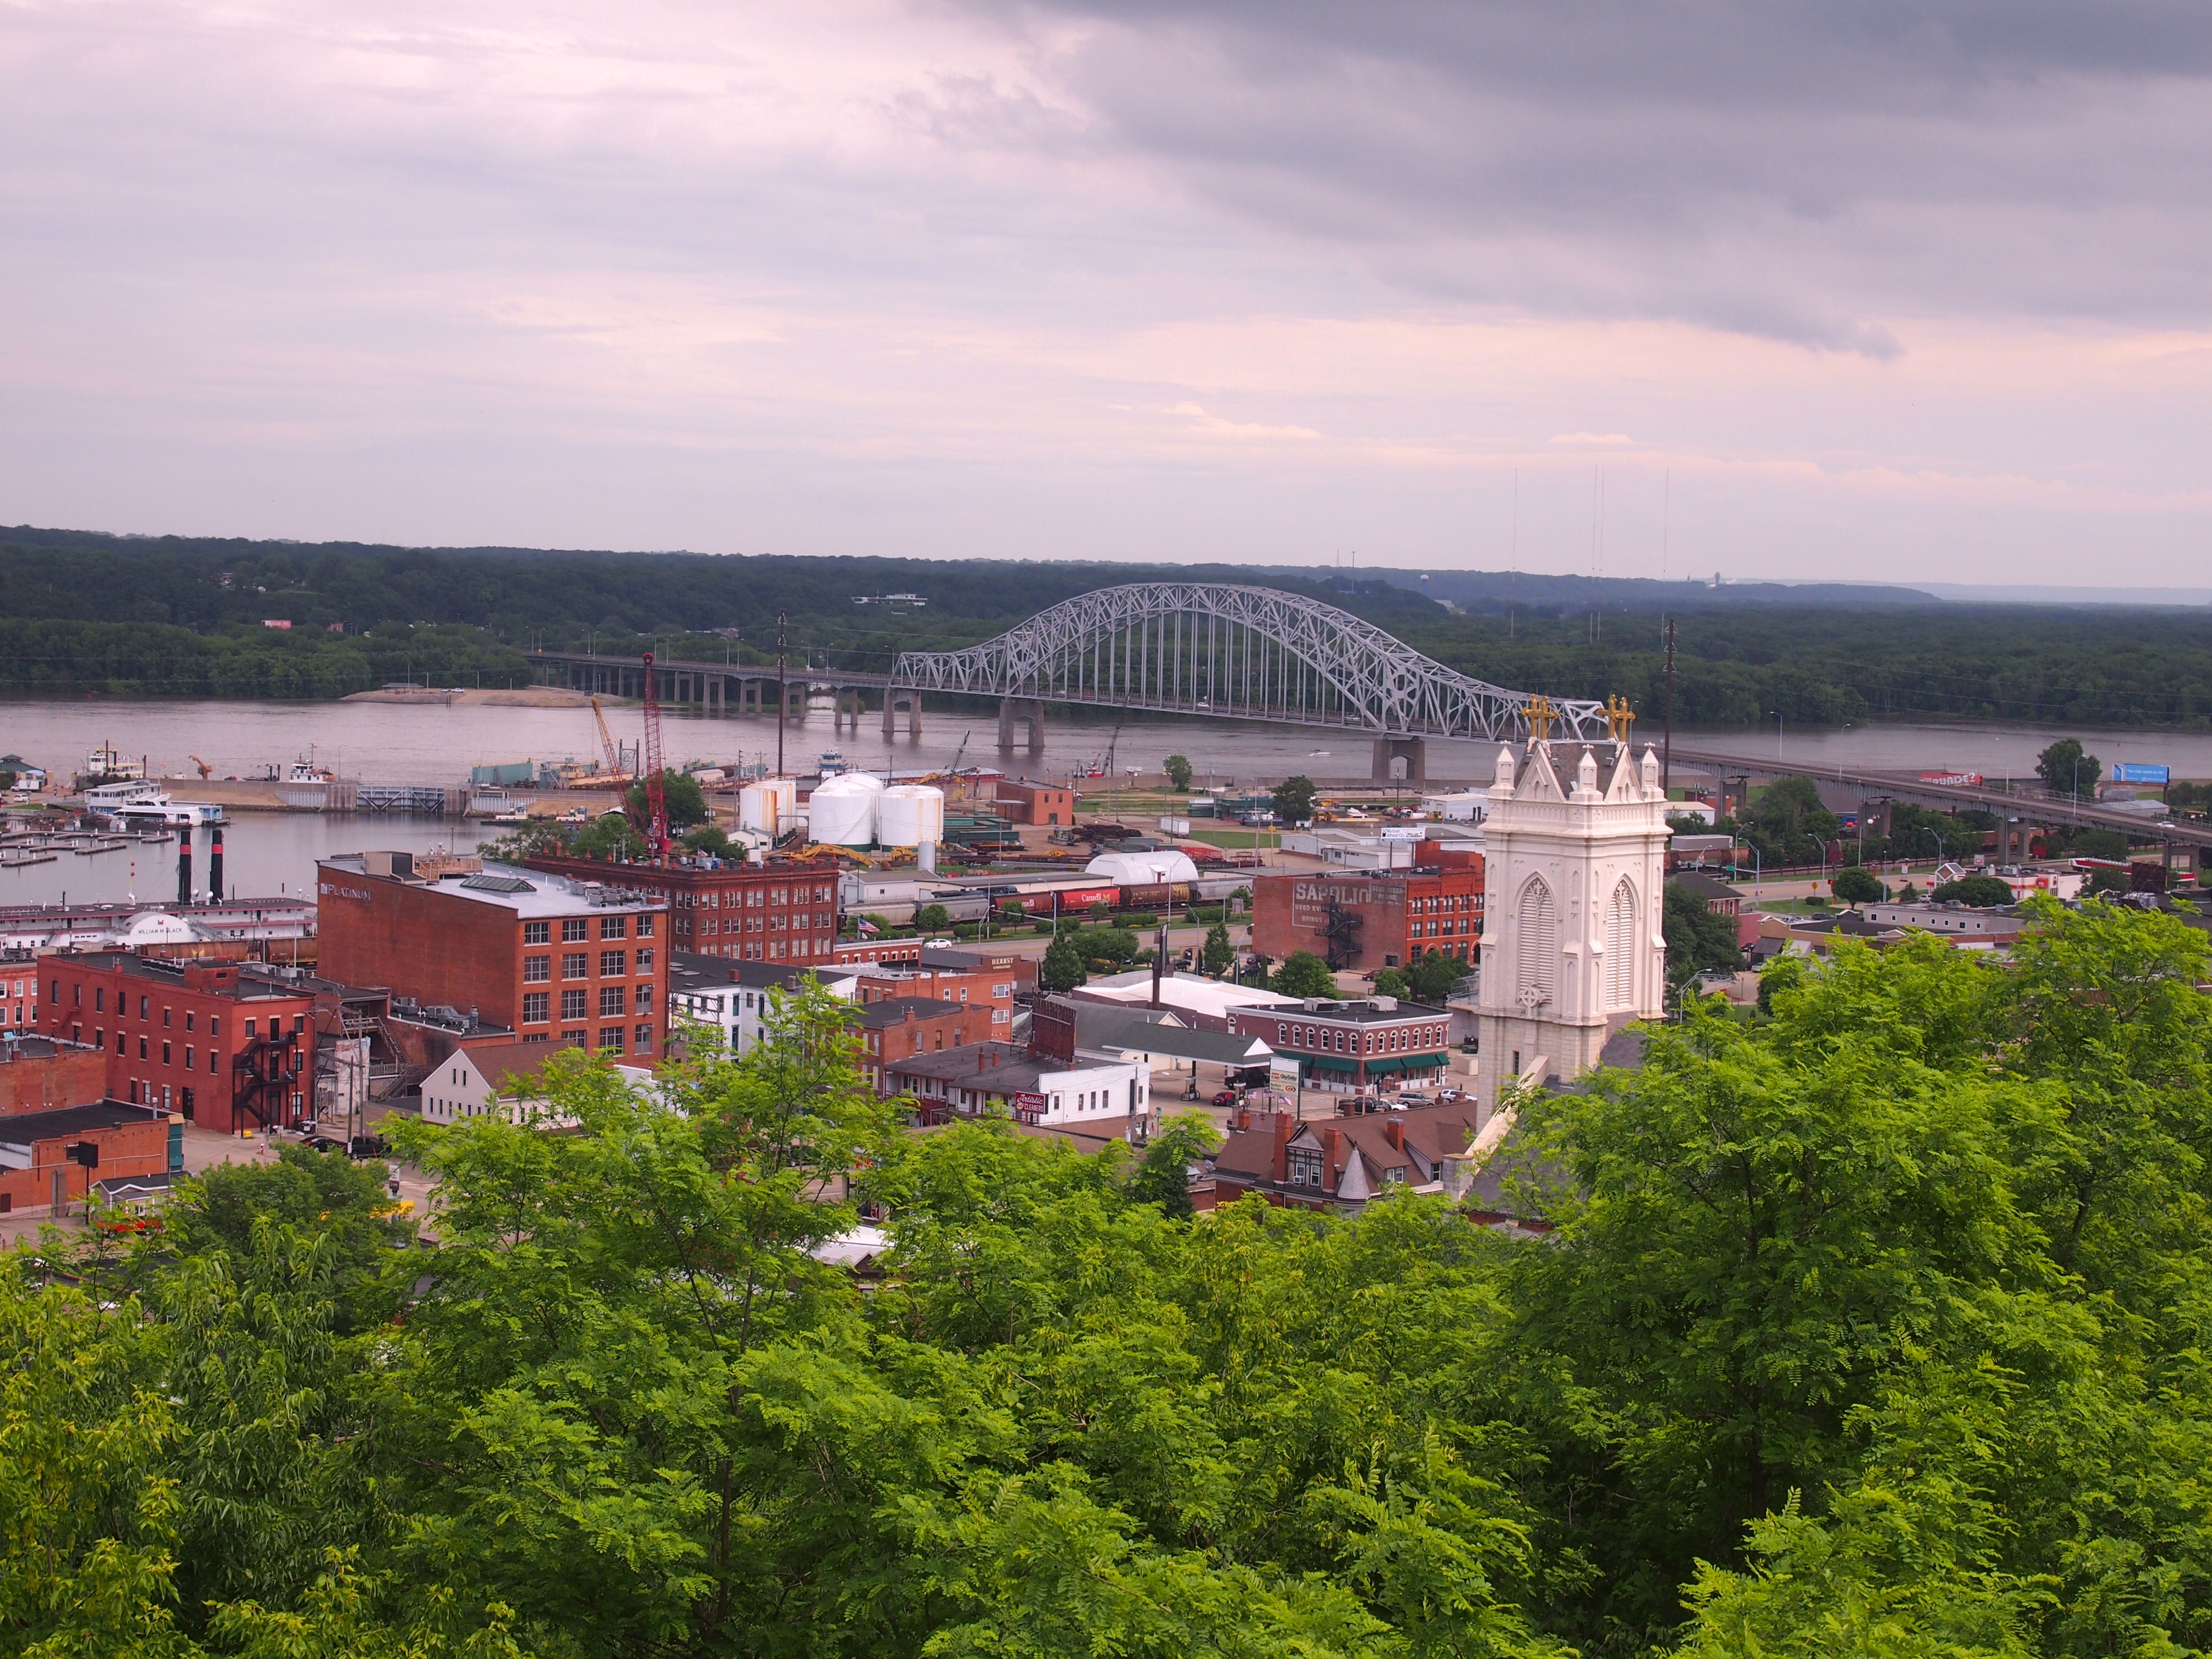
[
  {"x": 1028, "y": 711},
  {"x": 852, "y": 703},
  {"x": 1390, "y": 752},
  {"x": 896, "y": 697}
]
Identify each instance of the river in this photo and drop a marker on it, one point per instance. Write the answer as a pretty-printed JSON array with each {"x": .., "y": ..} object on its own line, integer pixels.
[{"x": 386, "y": 743}]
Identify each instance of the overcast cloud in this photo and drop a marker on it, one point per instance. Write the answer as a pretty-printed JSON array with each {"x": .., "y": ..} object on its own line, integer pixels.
[{"x": 1798, "y": 290}]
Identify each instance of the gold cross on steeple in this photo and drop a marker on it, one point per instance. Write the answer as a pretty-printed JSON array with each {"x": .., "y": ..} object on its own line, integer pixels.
[
  {"x": 1619, "y": 717},
  {"x": 1540, "y": 715}
]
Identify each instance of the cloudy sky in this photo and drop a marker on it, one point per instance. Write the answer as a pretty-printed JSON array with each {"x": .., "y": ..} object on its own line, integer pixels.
[{"x": 1859, "y": 289}]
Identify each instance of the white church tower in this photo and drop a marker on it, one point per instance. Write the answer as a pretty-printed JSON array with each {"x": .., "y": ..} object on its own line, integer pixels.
[{"x": 1574, "y": 878}]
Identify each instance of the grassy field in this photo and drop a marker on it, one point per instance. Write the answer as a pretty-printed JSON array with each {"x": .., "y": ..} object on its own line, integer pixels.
[{"x": 1233, "y": 840}]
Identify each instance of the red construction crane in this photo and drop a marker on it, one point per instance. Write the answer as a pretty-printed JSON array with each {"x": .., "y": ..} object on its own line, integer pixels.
[{"x": 656, "y": 795}]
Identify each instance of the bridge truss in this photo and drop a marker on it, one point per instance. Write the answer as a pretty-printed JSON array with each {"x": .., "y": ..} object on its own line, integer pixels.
[{"x": 1236, "y": 652}]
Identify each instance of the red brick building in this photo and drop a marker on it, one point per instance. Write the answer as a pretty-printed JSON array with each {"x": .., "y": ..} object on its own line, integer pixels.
[
  {"x": 53, "y": 1158},
  {"x": 222, "y": 1048},
  {"x": 899, "y": 1028},
  {"x": 40, "y": 1074},
  {"x": 747, "y": 912},
  {"x": 1021, "y": 801},
  {"x": 1353, "y": 1045},
  {"x": 555, "y": 959},
  {"x": 1360, "y": 921},
  {"x": 988, "y": 990}
]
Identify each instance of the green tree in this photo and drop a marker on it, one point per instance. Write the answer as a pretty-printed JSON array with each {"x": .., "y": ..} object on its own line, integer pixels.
[
  {"x": 1393, "y": 983},
  {"x": 1430, "y": 976},
  {"x": 1178, "y": 771},
  {"x": 1787, "y": 822},
  {"x": 2067, "y": 769},
  {"x": 1104, "y": 945},
  {"x": 709, "y": 838},
  {"x": 932, "y": 917},
  {"x": 1294, "y": 799},
  {"x": 1062, "y": 968},
  {"x": 611, "y": 836},
  {"x": 686, "y": 801},
  {"x": 1162, "y": 1175},
  {"x": 1698, "y": 940},
  {"x": 1856, "y": 884},
  {"x": 1219, "y": 954},
  {"x": 1304, "y": 975},
  {"x": 1980, "y": 891}
]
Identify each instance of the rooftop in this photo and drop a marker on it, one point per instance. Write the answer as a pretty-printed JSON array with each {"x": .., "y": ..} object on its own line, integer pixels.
[
  {"x": 529, "y": 894},
  {"x": 1212, "y": 998},
  {"x": 22, "y": 1128},
  {"x": 895, "y": 1010}
]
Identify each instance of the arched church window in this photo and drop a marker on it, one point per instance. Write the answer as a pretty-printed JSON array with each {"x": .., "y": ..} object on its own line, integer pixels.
[
  {"x": 1536, "y": 943},
  {"x": 1620, "y": 947}
]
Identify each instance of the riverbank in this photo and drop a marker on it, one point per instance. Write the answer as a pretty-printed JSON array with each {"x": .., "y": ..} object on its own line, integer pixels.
[{"x": 463, "y": 696}]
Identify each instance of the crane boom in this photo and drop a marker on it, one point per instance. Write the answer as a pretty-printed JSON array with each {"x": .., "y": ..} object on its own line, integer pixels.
[
  {"x": 656, "y": 794},
  {"x": 606, "y": 739}
]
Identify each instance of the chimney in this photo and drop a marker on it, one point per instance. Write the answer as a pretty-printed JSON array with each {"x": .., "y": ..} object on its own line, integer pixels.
[
  {"x": 1331, "y": 1147},
  {"x": 1393, "y": 1131},
  {"x": 1285, "y": 1126}
]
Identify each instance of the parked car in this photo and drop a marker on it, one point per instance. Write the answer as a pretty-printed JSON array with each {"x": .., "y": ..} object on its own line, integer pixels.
[
  {"x": 370, "y": 1146},
  {"x": 1226, "y": 1098},
  {"x": 325, "y": 1144}
]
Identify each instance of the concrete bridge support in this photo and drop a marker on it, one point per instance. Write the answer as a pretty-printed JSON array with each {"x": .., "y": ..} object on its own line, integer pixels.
[
  {"x": 896, "y": 698},
  {"x": 1401, "y": 760},
  {"x": 852, "y": 703},
  {"x": 1021, "y": 711}
]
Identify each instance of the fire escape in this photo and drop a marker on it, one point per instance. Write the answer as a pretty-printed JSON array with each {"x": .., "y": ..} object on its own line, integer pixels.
[
  {"x": 1340, "y": 930},
  {"x": 263, "y": 1073}
]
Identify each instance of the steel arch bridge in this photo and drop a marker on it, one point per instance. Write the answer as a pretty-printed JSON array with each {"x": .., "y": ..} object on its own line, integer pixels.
[{"x": 1238, "y": 653}]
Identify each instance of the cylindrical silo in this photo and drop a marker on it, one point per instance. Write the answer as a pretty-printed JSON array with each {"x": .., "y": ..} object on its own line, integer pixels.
[
  {"x": 756, "y": 809},
  {"x": 842, "y": 810},
  {"x": 910, "y": 814}
]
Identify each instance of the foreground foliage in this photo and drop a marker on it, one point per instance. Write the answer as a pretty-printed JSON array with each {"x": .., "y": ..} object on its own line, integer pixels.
[{"x": 1878, "y": 1329}]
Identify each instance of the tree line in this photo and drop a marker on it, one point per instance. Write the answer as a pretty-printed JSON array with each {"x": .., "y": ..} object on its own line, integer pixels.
[
  {"x": 183, "y": 615},
  {"x": 1875, "y": 1329}
]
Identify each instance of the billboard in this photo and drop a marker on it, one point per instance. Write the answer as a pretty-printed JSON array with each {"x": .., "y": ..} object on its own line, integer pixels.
[
  {"x": 1954, "y": 780},
  {"x": 2139, "y": 772}
]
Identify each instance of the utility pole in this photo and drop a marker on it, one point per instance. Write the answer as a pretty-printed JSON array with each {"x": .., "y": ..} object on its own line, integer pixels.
[
  {"x": 782, "y": 694},
  {"x": 1667, "y": 756}
]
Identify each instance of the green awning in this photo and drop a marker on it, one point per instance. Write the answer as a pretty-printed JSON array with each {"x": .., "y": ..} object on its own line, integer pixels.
[
  {"x": 1329, "y": 1063},
  {"x": 1390, "y": 1063}
]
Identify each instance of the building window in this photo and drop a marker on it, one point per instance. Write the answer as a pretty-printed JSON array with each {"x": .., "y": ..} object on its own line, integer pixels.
[
  {"x": 212, "y": 1058},
  {"x": 141, "y": 1044},
  {"x": 537, "y": 1007},
  {"x": 575, "y": 930},
  {"x": 537, "y": 933},
  {"x": 645, "y": 962},
  {"x": 644, "y": 926},
  {"x": 644, "y": 1039},
  {"x": 614, "y": 926},
  {"x": 165, "y": 1054},
  {"x": 215, "y": 1022},
  {"x": 572, "y": 1005},
  {"x": 644, "y": 999},
  {"x": 535, "y": 971},
  {"x": 184, "y": 1102},
  {"x": 99, "y": 1000},
  {"x": 166, "y": 1012},
  {"x": 575, "y": 964},
  {"x": 611, "y": 1001},
  {"x": 610, "y": 1040},
  {"x": 613, "y": 964},
  {"x": 188, "y": 1056},
  {"x": 188, "y": 1015},
  {"x": 579, "y": 1038}
]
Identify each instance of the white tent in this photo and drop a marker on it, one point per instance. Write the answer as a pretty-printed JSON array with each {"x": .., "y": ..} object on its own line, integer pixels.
[{"x": 1142, "y": 869}]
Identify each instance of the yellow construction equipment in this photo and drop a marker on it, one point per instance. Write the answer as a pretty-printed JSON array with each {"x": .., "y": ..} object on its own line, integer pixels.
[
  {"x": 206, "y": 771},
  {"x": 606, "y": 739}
]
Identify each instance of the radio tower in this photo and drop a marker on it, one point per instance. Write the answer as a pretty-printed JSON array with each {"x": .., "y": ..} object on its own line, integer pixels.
[{"x": 656, "y": 794}]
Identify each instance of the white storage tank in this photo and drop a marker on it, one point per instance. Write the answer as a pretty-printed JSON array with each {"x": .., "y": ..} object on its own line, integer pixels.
[
  {"x": 842, "y": 810},
  {"x": 768, "y": 805},
  {"x": 909, "y": 814}
]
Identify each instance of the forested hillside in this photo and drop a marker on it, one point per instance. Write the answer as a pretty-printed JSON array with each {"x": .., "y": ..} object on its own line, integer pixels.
[
  {"x": 175, "y": 616},
  {"x": 1876, "y": 1330}
]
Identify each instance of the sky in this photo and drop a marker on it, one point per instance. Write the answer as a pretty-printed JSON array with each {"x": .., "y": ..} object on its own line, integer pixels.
[{"x": 1868, "y": 291}]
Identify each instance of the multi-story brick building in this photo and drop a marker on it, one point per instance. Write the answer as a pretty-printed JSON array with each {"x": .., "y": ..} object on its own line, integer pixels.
[
  {"x": 901, "y": 1028},
  {"x": 555, "y": 958},
  {"x": 746, "y": 912},
  {"x": 1360, "y": 922},
  {"x": 1023, "y": 800},
  {"x": 1352, "y": 1045},
  {"x": 225, "y": 1049},
  {"x": 55, "y": 1157}
]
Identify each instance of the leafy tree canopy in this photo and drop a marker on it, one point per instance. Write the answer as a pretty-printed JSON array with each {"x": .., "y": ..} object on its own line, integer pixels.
[
  {"x": 1178, "y": 769},
  {"x": 1304, "y": 975},
  {"x": 1698, "y": 940},
  {"x": 1856, "y": 884},
  {"x": 1062, "y": 968},
  {"x": 1294, "y": 799},
  {"x": 2066, "y": 768},
  {"x": 1980, "y": 891}
]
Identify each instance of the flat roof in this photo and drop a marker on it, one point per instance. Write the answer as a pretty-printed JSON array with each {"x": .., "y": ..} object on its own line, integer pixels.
[
  {"x": 1355, "y": 1010},
  {"x": 527, "y": 893},
  {"x": 22, "y": 1128},
  {"x": 893, "y": 1010},
  {"x": 1214, "y": 998},
  {"x": 706, "y": 973}
]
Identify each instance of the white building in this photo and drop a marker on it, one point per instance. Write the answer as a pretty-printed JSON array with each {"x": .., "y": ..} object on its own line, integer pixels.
[
  {"x": 1001, "y": 1079},
  {"x": 1576, "y": 877},
  {"x": 734, "y": 997}
]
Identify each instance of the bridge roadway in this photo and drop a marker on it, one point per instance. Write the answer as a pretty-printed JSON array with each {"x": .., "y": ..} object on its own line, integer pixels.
[{"x": 2041, "y": 810}]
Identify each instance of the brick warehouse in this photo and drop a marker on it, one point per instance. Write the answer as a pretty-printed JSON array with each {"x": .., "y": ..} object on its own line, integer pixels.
[
  {"x": 223, "y": 1050},
  {"x": 553, "y": 959},
  {"x": 747, "y": 912},
  {"x": 1360, "y": 922}
]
